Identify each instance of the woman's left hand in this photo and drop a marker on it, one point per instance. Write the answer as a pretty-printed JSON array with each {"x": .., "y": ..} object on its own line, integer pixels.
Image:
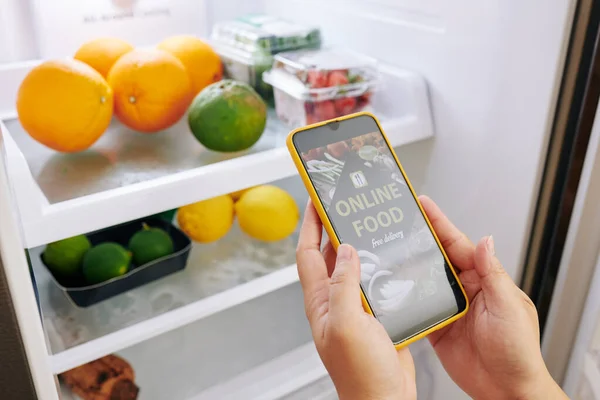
[{"x": 355, "y": 348}]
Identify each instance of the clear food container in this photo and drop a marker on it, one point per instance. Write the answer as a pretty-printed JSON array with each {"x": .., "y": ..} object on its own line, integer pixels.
[
  {"x": 247, "y": 45},
  {"x": 317, "y": 85}
]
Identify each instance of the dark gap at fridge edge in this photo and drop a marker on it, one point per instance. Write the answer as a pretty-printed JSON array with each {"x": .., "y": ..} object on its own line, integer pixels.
[{"x": 561, "y": 179}]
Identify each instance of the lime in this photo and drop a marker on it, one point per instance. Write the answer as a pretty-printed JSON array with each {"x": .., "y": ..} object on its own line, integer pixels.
[
  {"x": 150, "y": 244},
  {"x": 228, "y": 116},
  {"x": 64, "y": 257},
  {"x": 105, "y": 261},
  {"x": 368, "y": 153}
]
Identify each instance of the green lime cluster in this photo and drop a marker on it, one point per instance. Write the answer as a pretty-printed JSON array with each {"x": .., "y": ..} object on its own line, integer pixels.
[{"x": 76, "y": 257}]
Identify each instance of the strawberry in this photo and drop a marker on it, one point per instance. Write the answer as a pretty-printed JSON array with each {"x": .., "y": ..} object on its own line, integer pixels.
[
  {"x": 345, "y": 105},
  {"x": 311, "y": 119},
  {"x": 337, "y": 78},
  {"x": 361, "y": 104},
  {"x": 309, "y": 107},
  {"x": 366, "y": 97},
  {"x": 325, "y": 110},
  {"x": 317, "y": 79}
]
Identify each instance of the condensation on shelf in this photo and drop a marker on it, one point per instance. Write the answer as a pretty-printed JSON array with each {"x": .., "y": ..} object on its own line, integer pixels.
[
  {"x": 211, "y": 268},
  {"x": 122, "y": 157}
]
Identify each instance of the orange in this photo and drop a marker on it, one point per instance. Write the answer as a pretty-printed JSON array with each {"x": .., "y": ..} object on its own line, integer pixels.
[
  {"x": 152, "y": 90},
  {"x": 102, "y": 53},
  {"x": 65, "y": 105},
  {"x": 201, "y": 61}
]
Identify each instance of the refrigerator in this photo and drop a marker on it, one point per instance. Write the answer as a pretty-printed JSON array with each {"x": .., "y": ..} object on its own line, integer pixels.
[{"x": 483, "y": 102}]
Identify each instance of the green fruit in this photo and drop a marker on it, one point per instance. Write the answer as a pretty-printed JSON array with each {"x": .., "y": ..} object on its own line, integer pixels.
[
  {"x": 65, "y": 257},
  {"x": 105, "y": 261},
  {"x": 150, "y": 244},
  {"x": 228, "y": 116}
]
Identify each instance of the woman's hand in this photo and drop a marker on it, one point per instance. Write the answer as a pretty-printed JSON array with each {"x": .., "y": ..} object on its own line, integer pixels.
[
  {"x": 354, "y": 346},
  {"x": 493, "y": 352}
]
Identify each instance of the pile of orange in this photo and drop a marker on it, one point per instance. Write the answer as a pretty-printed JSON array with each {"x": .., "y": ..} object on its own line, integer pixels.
[{"x": 68, "y": 104}]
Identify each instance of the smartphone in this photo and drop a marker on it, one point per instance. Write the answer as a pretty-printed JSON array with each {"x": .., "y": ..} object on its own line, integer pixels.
[{"x": 365, "y": 199}]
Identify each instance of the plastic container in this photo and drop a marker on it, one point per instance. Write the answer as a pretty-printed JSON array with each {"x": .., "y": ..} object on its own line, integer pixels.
[
  {"x": 317, "y": 85},
  {"x": 247, "y": 45},
  {"x": 84, "y": 295}
]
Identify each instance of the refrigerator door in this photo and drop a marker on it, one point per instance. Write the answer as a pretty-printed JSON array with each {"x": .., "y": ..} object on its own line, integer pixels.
[
  {"x": 582, "y": 378},
  {"x": 24, "y": 369},
  {"x": 573, "y": 291},
  {"x": 569, "y": 140}
]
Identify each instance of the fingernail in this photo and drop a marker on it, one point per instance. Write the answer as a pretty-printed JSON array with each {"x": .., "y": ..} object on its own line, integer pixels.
[
  {"x": 344, "y": 253},
  {"x": 489, "y": 243}
]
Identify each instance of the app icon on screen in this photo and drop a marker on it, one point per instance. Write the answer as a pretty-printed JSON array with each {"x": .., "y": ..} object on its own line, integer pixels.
[{"x": 358, "y": 179}]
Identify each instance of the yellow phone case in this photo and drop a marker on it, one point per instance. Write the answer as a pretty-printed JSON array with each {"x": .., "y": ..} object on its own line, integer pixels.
[{"x": 335, "y": 240}]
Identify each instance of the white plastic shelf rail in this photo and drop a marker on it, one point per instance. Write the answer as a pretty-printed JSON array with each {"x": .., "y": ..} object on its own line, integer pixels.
[
  {"x": 172, "y": 320},
  {"x": 402, "y": 105}
]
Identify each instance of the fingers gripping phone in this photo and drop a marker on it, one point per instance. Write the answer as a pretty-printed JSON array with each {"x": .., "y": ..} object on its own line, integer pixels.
[{"x": 364, "y": 198}]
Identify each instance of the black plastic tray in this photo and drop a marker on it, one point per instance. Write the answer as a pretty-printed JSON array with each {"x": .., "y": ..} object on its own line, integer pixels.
[{"x": 84, "y": 295}]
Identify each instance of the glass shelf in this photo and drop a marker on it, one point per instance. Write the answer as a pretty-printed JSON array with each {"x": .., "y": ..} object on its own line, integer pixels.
[
  {"x": 211, "y": 269},
  {"x": 123, "y": 157}
]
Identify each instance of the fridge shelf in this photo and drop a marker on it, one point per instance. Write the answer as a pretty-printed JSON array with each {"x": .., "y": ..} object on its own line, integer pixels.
[
  {"x": 218, "y": 276},
  {"x": 62, "y": 195},
  {"x": 277, "y": 379},
  {"x": 171, "y": 320},
  {"x": 270, "y": 356},
  {"x": 241, "y": 346}
]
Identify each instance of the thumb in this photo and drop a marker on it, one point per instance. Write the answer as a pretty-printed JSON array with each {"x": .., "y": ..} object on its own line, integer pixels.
[
  {"x": 344, "y": 292},
  {"x": 496, "y": 284}
]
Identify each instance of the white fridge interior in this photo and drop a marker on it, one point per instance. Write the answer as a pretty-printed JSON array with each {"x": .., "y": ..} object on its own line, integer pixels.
[{"x": 465, "y": 100}]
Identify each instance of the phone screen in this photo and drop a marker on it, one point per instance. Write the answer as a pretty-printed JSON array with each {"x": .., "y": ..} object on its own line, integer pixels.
[{"x": 404, "y": 275}]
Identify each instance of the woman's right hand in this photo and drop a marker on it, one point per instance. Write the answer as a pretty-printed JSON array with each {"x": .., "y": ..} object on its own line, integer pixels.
[{"x": 493, "y": 352}]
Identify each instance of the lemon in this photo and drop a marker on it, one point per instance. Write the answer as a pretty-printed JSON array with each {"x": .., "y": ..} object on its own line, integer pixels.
[
  {"x": 267, "y": 213},
  {"x": 208, "y": 220},
  {"x": 236, "y": 195}
]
